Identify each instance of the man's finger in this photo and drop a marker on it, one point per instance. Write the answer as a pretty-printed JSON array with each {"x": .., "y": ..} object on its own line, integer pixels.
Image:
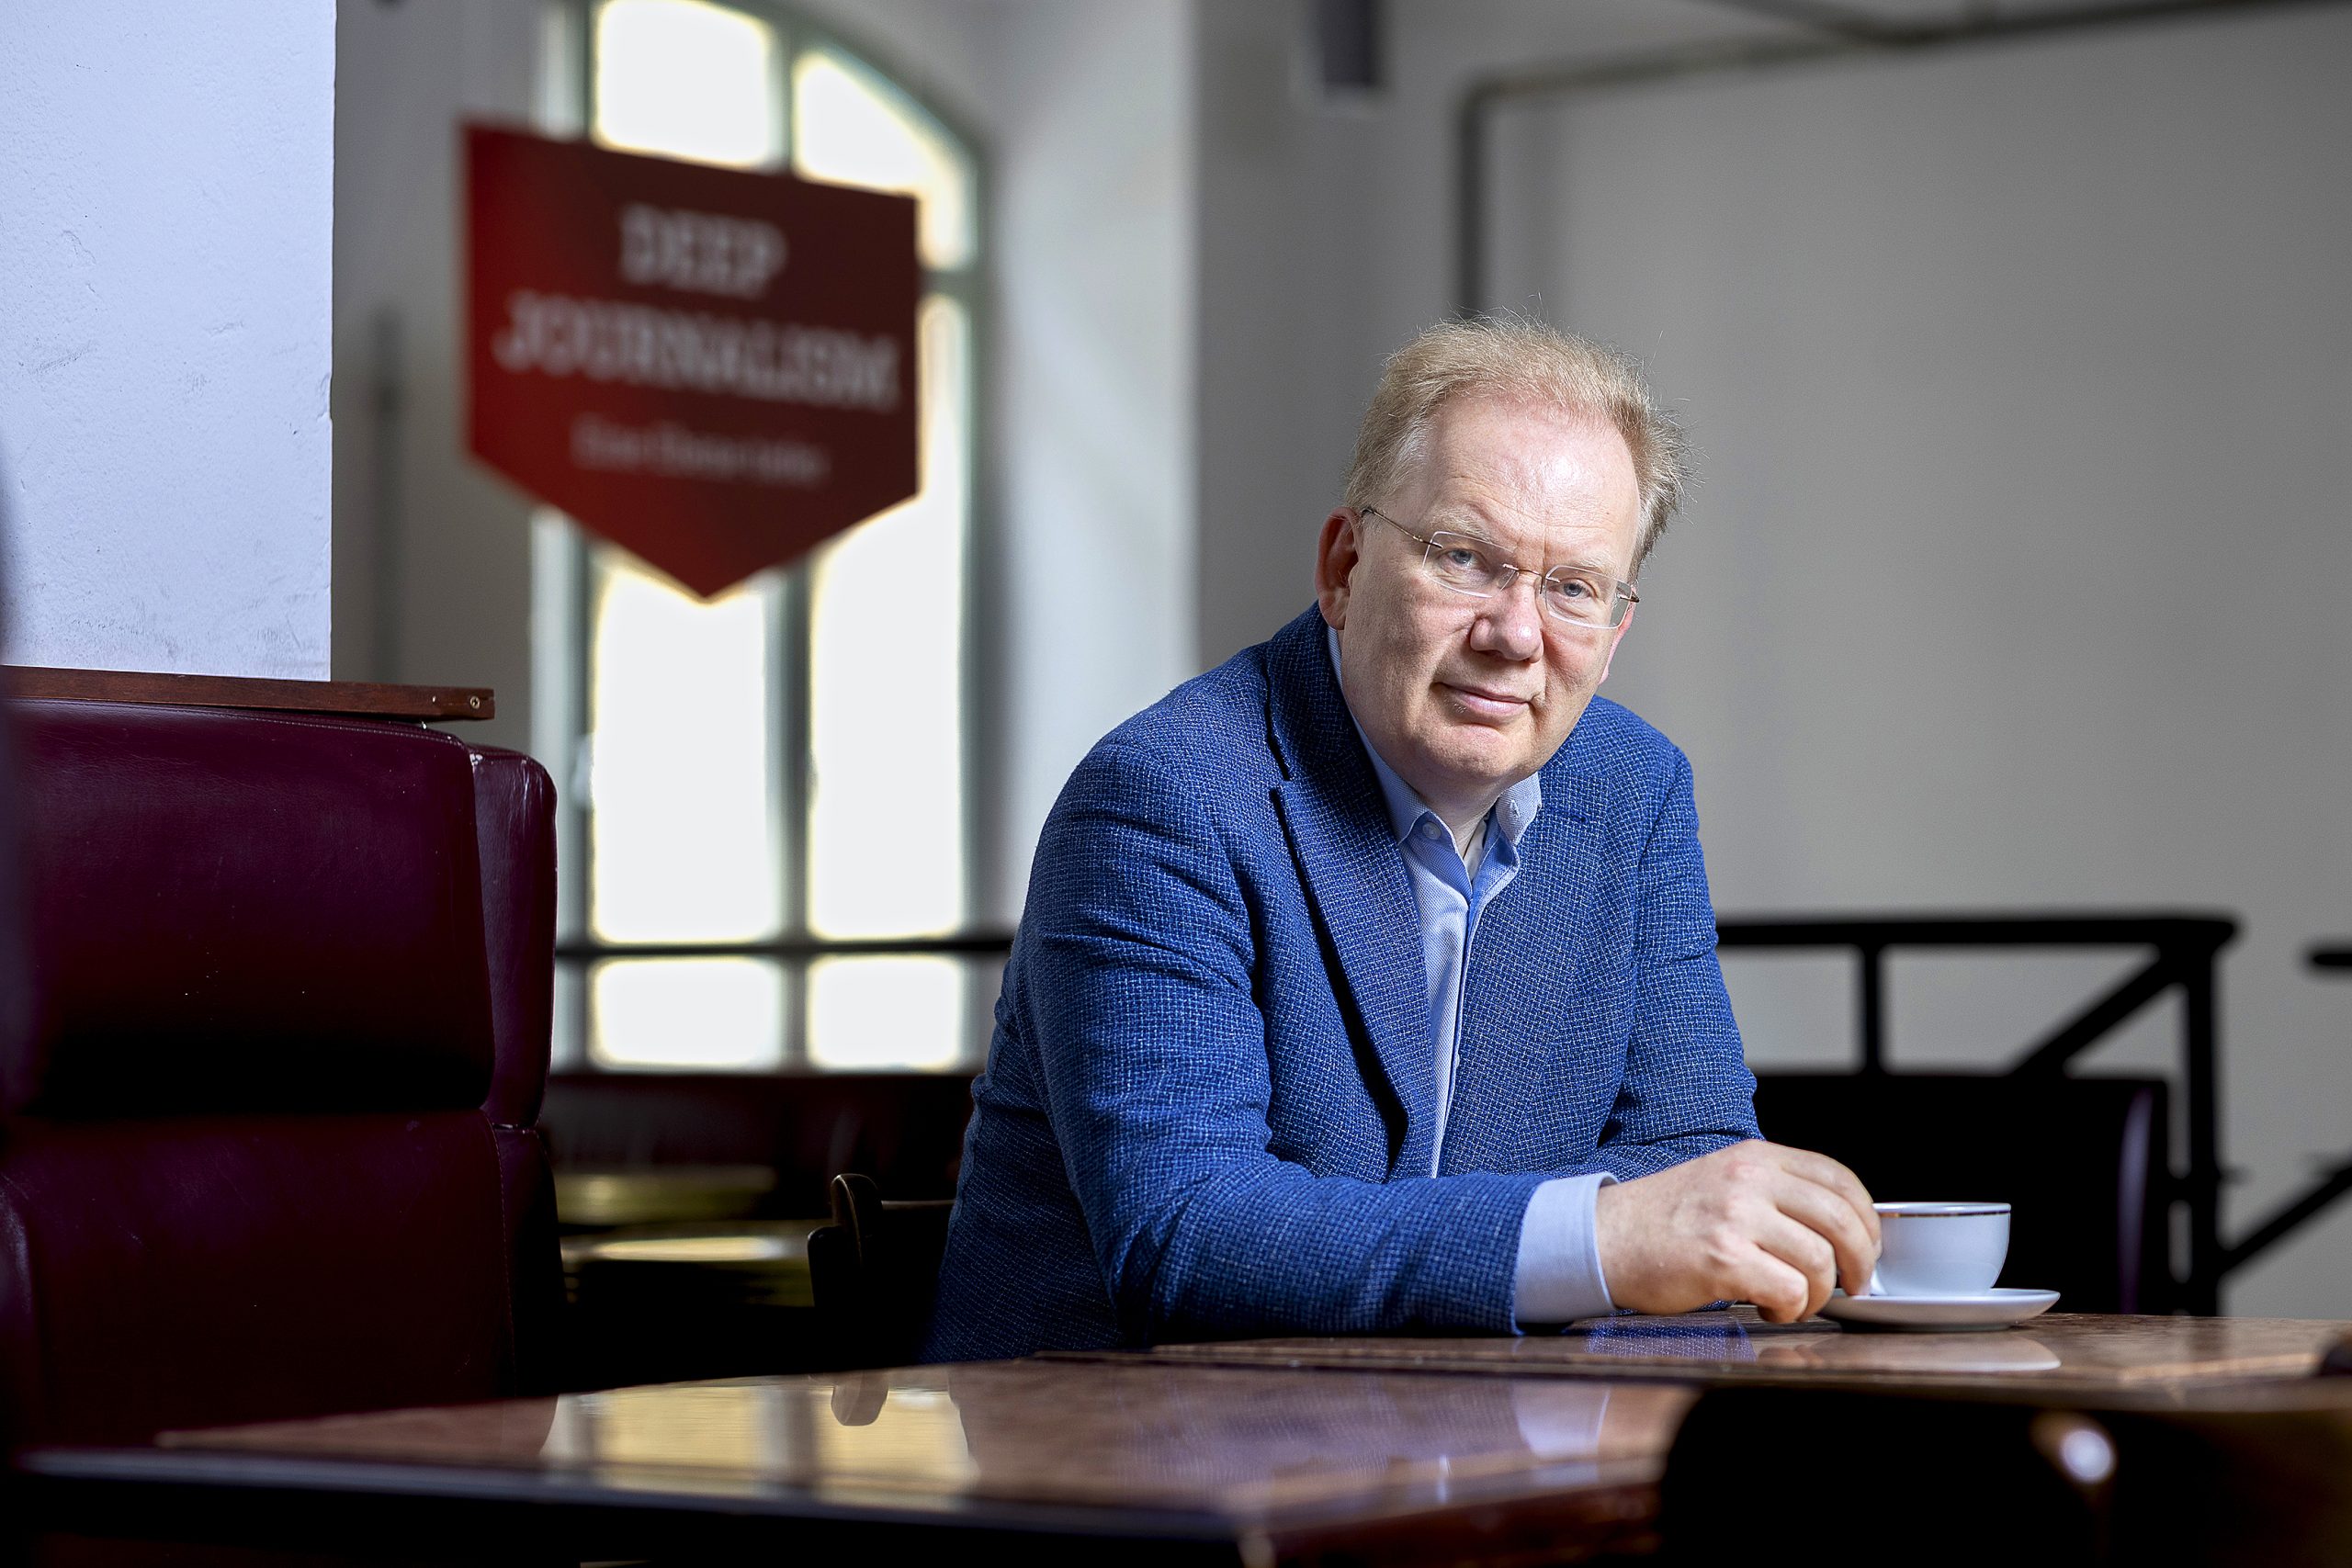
[
  {"x": 1779, "y": 1293},
  {"x": 1828, "y": 1215},
  {"x": 1804, "y": 1250},
  {"x": 1823, "y": 1171}
]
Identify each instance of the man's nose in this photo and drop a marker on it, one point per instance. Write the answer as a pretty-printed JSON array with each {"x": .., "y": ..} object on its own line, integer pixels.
[{"x": 1510, "y": 623}]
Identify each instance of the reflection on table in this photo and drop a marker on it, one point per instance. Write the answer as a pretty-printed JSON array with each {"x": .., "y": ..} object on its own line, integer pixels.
[{"x": 1242, "y": 1444}]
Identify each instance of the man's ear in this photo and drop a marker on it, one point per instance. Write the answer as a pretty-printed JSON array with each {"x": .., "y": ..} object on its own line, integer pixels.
[
  {"x": 1336, "y": 554},
  {"x": 1614, "y": 638}
]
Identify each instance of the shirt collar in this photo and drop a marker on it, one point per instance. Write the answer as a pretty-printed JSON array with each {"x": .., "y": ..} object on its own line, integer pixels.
[{"x": 1511, "y": 814}]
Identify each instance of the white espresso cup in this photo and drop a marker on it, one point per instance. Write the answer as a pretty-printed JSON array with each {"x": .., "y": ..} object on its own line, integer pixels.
[{"x": 1940, "y": 1249}]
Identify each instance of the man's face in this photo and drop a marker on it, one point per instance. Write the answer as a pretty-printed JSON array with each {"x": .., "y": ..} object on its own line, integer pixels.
[{"x": 1463, "y": 696}]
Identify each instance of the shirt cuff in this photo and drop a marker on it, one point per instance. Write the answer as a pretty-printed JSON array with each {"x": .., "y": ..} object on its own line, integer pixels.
[{"x": 1559, "y": 1275}]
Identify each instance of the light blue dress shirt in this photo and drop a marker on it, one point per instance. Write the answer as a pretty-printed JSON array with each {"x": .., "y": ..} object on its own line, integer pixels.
[{"x": 1559, "y": 1274}]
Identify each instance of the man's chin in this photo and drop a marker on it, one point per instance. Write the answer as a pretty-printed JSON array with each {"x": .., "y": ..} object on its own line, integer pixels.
[{"x": 1485, "y": 759}]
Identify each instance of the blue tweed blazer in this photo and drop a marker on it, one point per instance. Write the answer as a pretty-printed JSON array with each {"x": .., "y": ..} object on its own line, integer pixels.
[{"x": 1208, "y": 1104}]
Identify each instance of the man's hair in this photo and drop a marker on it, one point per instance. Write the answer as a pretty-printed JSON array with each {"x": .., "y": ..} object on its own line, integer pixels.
[{"x": 1513, "y": 357}]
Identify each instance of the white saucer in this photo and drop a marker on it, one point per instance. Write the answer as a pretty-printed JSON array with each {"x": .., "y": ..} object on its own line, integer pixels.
[{"x": 1975, "y": 1309}]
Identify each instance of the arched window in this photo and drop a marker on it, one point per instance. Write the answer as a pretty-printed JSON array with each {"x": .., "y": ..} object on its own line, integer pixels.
[{"x": 767, "y": 832}]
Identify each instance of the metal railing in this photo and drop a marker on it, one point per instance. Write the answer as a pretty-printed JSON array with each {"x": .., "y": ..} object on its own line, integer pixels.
[{"x": 2184, "y": 948}]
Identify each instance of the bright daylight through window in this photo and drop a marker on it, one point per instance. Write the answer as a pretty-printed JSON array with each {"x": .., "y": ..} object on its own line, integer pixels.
[{"x": 786, "y": 761}]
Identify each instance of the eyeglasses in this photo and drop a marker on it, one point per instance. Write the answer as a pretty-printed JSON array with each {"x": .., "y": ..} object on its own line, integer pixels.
[{"x": 1575, "y": 595}]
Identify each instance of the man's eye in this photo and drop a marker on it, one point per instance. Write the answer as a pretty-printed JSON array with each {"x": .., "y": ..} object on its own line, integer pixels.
[
  {"x": 1460, "y": 558},
  {"x": 1575, "y": 588}
]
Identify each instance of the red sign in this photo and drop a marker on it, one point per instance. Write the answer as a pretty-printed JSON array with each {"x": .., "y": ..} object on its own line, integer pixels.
[{"x": 715, "y": 369}]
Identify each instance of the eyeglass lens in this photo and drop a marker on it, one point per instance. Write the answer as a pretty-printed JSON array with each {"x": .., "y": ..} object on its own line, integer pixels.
[{"x": 1576, "y": 594}]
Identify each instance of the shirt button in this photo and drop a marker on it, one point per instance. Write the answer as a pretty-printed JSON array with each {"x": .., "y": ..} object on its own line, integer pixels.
[{"x": 1429, "y": 830}]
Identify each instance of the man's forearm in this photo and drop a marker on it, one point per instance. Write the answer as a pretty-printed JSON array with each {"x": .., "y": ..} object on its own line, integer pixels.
[{"x": 1279, "y": 1251}]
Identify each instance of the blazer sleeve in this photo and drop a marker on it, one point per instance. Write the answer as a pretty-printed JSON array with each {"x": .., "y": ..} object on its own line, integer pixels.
[
  {"x": 1686, "y": 1091},
  {"x": 1139, "y": 1003}
]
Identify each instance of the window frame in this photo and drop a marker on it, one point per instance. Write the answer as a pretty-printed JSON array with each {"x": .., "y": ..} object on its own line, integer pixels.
[{"x": 564, "y": 590}]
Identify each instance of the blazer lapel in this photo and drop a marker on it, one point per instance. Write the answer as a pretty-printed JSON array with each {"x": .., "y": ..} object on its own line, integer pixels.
[
  {"x": 1522, "y": 970},
  {"x": 1355, "y": 875}
]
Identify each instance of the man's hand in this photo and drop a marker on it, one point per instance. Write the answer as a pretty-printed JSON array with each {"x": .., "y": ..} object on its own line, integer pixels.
[{"x": 1756, "y": 1222}]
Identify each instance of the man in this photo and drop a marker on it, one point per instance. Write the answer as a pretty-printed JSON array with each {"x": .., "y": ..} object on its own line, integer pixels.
[{"x": 1368, "y": 981}]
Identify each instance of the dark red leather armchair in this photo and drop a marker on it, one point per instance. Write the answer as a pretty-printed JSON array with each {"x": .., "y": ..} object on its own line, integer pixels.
[{"x": 270, "y": 1147}]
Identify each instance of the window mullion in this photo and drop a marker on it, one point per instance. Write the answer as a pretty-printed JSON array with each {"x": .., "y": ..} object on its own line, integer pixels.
[{"x": 792, "y": 664}]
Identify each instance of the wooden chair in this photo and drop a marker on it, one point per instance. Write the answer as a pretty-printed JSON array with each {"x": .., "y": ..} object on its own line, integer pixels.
[{"x": 874, "y": 1270}]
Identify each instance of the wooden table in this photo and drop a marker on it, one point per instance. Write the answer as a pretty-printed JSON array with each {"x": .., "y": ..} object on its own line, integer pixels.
[
  {"x": 1059, "y": 1461},
  {"x": 1288, "y": 1450},
  {"x": 2058, "y": 1355}
]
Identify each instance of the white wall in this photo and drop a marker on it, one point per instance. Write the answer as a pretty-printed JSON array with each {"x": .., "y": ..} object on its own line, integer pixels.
[
  {"x": 2020, "y": 380},
  {"x": 1095, "y": 335},
  {"x": 165, "y": 213}
]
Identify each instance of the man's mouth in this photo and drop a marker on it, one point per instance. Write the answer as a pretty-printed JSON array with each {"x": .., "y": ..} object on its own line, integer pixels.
[{"x": 1486, "y": 702}]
